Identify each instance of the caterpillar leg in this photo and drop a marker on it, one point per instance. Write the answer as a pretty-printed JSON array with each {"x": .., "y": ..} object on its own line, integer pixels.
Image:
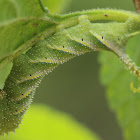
[{"x": 135, "y": 90}]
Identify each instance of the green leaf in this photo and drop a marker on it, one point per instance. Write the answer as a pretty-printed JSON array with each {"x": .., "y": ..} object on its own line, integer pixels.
[
  {"x": 7, "y": 10},
  {"x": 27, "y": 8},
  {"x": 56, "y": 6},
  {"x": 4, "y": 72},
  {"x": 45, "y": 123},
  {"x": 122, "y": 100},
  {"x": 12, "y": 9}
]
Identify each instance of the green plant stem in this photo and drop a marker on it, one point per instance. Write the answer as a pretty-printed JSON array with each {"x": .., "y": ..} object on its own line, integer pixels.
[
  {"x": 45, "y": 10},
  {"x": 95, "y": 15}
]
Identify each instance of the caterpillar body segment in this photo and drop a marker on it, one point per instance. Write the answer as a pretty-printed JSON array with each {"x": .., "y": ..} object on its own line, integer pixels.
[
  {"x": 9, "y": 121},
  {"x": 43, "y": 56},
  {"x": 18, "y": 91}
]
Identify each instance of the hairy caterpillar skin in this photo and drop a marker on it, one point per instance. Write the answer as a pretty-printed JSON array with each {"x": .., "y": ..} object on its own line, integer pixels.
[{"x": 42, "y": 57}]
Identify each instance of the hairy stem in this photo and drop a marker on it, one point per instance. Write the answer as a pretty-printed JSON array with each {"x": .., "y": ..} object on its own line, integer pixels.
[{"x": 95, "y": 15}]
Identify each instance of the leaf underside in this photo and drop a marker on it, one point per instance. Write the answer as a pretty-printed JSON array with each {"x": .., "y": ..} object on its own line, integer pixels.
[{"x": 122, "y": 100}]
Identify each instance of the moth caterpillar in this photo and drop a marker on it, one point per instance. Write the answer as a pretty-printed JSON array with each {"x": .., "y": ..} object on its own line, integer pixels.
[{"x": 46, "y": 51}]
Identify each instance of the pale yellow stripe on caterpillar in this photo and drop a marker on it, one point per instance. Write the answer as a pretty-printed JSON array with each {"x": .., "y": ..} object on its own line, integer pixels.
[
  {"x": 27, "y": 78},
  {"x": 77, "y": 40},
  {"x": 61, "y": 49},
  {"x": 24, "y": 95},
  {"x": 16, "y": 112},
  {"x": 69, "y": 37},
  {"x": 46, "y": 61},
  {"x": 100, "y": 38},
  {"x": 51, "y": 61},
  {"x": 31, "y": 77},
  {"x": 37, "y": 75},
  {"x": 85, "y": 24},
  {"x": 80, "y": 41}
]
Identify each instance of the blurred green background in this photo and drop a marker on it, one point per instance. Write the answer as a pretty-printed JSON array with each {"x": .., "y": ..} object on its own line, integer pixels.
[{"x": 75, "y": 87}]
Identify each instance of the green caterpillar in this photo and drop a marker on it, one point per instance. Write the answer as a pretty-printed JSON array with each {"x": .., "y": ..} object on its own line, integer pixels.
[{"x": 53, "y": 41}]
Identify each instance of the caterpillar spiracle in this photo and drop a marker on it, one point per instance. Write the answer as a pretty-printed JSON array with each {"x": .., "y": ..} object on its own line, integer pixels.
[{"x": 45, "y": 54}]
